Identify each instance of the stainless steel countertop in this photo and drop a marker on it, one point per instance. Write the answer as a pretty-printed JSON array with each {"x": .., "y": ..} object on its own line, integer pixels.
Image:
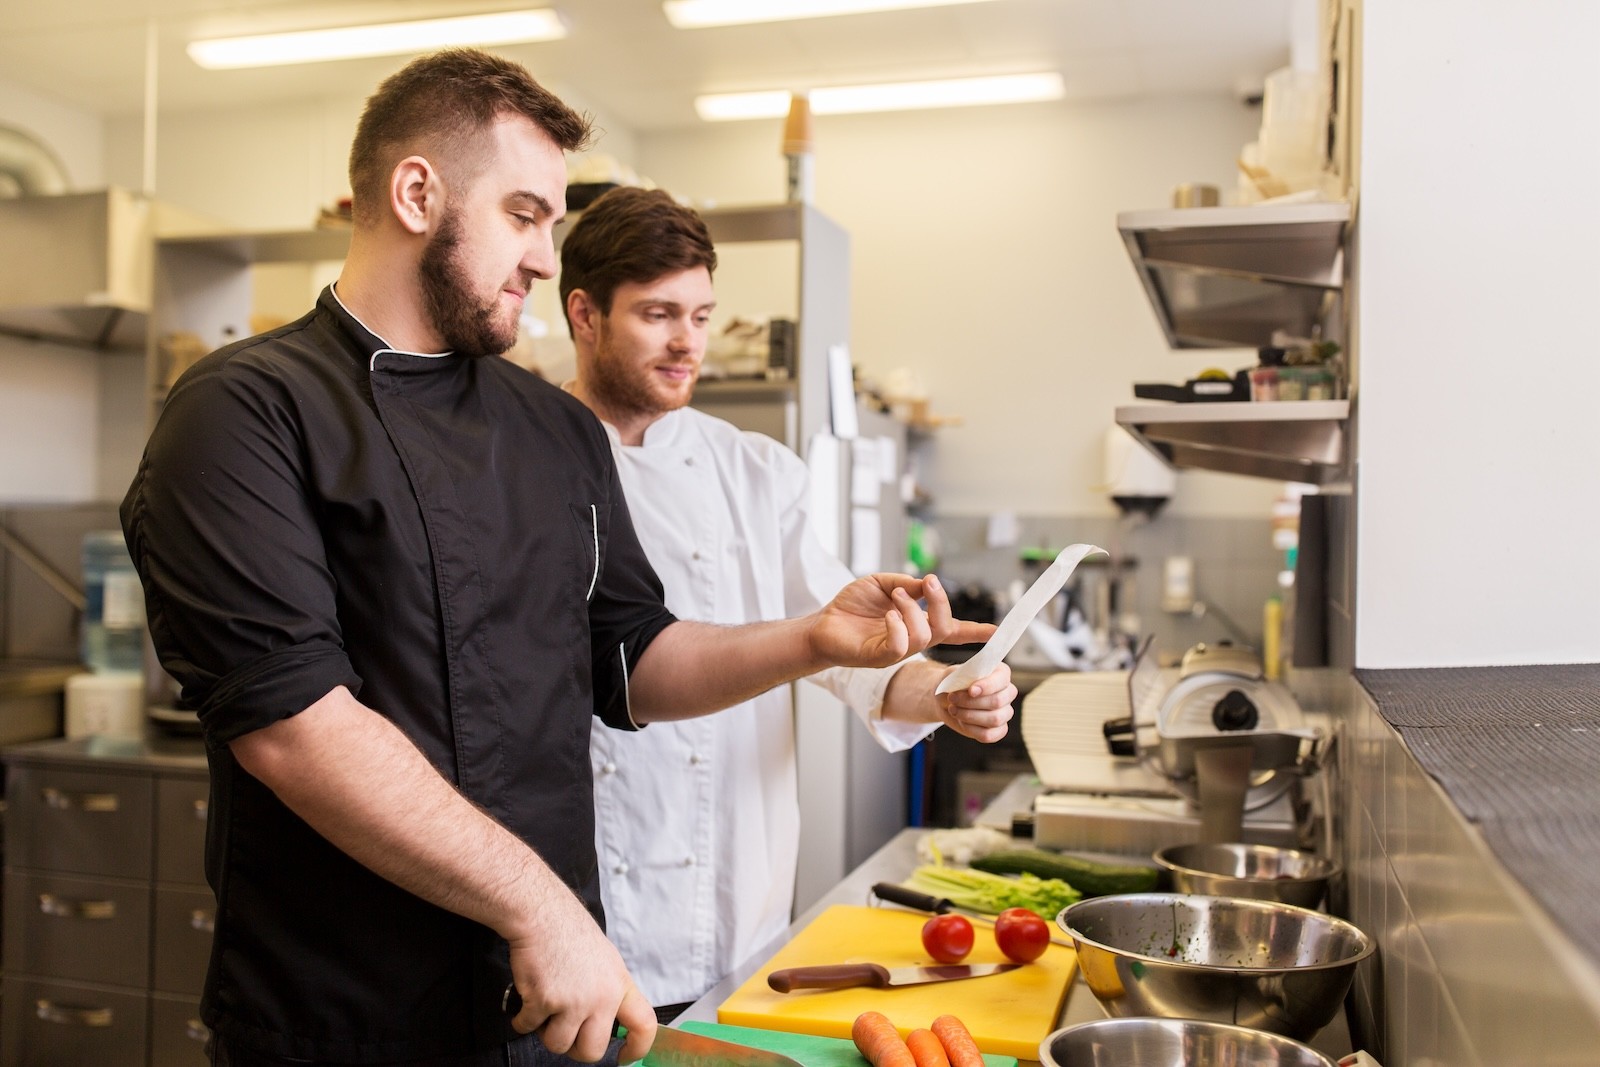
[{"x": 892, "y": 863}]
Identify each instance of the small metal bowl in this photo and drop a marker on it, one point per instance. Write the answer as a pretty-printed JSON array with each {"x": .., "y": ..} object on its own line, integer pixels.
[
  {"x": 1173, "y": 1043},
  {"x": 1252, "y": 963},
  {"x": 1260, "y": 872}
]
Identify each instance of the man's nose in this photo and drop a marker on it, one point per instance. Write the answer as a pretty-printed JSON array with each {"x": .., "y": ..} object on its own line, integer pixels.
[{"x": 539, "y": 259}]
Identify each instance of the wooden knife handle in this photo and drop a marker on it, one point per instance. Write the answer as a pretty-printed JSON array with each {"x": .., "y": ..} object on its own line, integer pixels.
[{"x": 840, "y": 976}]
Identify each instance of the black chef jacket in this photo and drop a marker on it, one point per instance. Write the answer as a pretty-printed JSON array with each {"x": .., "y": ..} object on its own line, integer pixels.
[{"x": 445, "y": 536}]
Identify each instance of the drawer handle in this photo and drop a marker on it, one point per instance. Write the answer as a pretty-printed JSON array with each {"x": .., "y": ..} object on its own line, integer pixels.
[
  {"x": 65, "y": 1015},
  {"x": 195, "y": 1030},
  {"x": 203, "y": 920},
  {"x": 201, "y": 809},
  {"x": 62, "y": 800},
  {"x": 62, "y": 908}
]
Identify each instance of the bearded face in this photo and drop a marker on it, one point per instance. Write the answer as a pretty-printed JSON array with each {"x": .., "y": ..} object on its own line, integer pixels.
[{"x": 469, "y": 323}]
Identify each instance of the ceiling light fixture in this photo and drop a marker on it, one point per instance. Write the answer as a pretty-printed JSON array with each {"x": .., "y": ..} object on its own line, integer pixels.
[
  {"x": 698, "y": 14},
  {"x": 381, "y": 39},
  {"x": 902, "y": 96}
]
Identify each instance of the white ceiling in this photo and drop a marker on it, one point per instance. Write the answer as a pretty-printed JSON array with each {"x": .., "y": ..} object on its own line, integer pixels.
[{"x": 623, "y": 57}]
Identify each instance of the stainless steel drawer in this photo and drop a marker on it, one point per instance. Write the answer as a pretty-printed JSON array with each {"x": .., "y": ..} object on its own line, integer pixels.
[
  {"x": 181, "y": 805},
  {"x": 60, "y": 1024},
  {"x": 177, "y": 1036},
  {"x": 184, "y": 920},
  {"x": 58, "y": 926},
  {"x": 80, "y": 822}
]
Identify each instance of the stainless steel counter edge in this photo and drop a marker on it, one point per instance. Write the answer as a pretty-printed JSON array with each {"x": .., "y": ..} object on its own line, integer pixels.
[{"x": 111, "y": 753}]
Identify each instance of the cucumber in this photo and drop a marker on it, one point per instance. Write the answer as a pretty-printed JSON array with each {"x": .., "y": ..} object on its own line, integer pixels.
[{"x": 1088, "y": 877}]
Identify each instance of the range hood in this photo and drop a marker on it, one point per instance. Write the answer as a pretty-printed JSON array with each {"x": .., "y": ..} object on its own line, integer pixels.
[
  {"x": 75, "y": 268},
  {"x": 1229, "y": 276}
]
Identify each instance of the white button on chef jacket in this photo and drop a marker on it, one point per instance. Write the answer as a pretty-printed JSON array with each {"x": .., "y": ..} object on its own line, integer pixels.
[{"x": 730, "y": 536}]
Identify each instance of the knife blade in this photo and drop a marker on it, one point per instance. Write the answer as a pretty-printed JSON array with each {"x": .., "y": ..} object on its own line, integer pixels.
[
  {"x": 907, "y": 897},
  {"x": 680, "y": 1048},
  {"x": 847, "y": 975}
]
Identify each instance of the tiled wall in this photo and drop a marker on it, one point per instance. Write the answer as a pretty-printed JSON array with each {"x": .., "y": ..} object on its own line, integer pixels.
[
  {"x": 1469, "y": 972},
  {"x": 1236, "y": 567}
]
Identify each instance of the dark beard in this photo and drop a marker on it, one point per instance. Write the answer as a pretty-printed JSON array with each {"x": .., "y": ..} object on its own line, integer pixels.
[
  {"x": 467, "y": 326},
  {"x": 621, "y": 391}
]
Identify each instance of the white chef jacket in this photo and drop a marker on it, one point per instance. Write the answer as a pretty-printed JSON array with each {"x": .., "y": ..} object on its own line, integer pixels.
[{"x": 697, "y": 823}]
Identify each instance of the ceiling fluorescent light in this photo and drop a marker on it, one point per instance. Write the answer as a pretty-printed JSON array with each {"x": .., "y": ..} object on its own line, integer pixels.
[
  {"x": 904, "y": 96},
  {"x": 382, "y": 39},
  {"x": 698, "y": 14}
]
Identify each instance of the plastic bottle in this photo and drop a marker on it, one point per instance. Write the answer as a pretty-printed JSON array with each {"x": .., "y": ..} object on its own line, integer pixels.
[{"x": 113, "y": 618}]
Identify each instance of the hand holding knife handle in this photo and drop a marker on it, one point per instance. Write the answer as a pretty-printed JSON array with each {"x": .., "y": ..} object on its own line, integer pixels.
[{"x": 842, "y": 976}]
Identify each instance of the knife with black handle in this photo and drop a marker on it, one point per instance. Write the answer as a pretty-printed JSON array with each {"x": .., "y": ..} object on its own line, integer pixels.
[{"x": 907, "y": 897}]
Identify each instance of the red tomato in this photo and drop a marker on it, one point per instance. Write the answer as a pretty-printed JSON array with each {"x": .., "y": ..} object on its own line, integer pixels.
[
  {"x": 1021, "y": 934},
  {"x": 948, "y": 938}
]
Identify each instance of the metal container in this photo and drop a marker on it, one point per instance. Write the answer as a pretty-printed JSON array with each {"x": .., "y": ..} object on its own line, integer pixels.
[
  {"x": 1260, "y": 872},
  {"x": 1253, "y": 963},
  {"x": 1173, "y": 1043}
]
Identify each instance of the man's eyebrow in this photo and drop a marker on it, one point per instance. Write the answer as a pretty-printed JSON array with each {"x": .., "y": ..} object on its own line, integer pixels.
[{"x": 528, "y": 197}]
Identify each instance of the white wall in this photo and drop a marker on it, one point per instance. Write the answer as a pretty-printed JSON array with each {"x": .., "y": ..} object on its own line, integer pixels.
[
  {"x": 1480, "y": 380},
  {"x": 272, "y": 167},
  {"x": 985, "y": 256}
]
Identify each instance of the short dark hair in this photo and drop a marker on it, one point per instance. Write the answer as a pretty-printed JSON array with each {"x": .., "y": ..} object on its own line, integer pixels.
[
  {"x": 437, "y": 106},
  {"x": 631, "y": 235}
]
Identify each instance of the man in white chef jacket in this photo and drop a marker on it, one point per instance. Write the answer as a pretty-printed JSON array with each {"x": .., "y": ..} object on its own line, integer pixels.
[{"x": 697, "y": 822}]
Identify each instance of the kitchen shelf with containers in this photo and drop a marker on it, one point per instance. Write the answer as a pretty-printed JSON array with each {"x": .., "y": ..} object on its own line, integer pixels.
[{"x": 1245, "y": 277}]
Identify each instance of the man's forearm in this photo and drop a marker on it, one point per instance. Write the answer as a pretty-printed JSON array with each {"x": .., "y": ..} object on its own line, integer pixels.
[
  {"x": 692, "y": 668},
  {"x": 362, "y": 784}
]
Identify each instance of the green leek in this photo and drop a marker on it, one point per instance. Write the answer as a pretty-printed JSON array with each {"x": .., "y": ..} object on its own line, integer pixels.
[{"x": 993, "y": 893}]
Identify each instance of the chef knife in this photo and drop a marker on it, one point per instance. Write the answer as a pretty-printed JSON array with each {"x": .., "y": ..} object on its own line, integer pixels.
[
  {"x": 847, "y": 975},
  {"x": 680, "y": 1048},
  {"x": 907, "y": 897}
]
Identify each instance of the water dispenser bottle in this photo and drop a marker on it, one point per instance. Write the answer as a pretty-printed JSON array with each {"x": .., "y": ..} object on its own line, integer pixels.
[{"x": 113, "y": 615}]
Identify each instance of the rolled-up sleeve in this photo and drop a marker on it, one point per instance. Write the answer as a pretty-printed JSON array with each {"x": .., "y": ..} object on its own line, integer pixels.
[{"x": 223, "y": 531}]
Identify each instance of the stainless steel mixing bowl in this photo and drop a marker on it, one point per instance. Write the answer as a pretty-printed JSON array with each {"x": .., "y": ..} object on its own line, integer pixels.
[
  {"x": 1261, "y": 872},
  {"x": 1255, "y": 963},
  {"x": 1173, "y": 1043}
]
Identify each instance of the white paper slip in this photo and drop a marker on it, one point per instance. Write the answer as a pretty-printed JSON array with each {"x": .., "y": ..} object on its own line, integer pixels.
[{"x": 1012, "y": 627}]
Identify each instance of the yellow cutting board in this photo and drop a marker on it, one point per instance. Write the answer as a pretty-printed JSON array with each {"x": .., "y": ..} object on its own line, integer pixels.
[{"x": 1008, "y": 1014}]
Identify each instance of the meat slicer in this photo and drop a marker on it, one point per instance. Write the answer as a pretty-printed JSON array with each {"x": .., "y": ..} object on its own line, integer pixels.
[{"x": 1132, "y": 761}]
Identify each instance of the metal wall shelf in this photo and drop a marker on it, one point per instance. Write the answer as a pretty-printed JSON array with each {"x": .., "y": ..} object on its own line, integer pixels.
[
  {"x": 1230, "y": 276},
  {"x": 1292, "y": 441}
]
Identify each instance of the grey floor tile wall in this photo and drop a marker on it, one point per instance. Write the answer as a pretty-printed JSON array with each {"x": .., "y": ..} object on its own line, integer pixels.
[{"x": 1469, "y": 971}]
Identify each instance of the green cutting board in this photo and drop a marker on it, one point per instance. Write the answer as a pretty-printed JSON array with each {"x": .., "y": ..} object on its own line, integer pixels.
[{"x": 810, "y": 1051}]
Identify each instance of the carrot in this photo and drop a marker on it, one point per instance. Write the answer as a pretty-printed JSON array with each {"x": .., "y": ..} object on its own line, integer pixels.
[
  {"x": 957, "y": 1041},
  {"x": 926, "y": 1049},
  {"x": 880, "y": 1042}
]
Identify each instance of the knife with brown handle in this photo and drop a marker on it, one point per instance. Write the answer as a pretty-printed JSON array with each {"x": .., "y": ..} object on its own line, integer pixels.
[{"x": 847, "y": 975}]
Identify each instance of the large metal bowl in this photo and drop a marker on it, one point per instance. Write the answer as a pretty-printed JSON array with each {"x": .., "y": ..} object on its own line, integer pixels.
[
  {"x": 1254, "y": 963},
  {"x": 1260, "y": 872},
  {"x": 1173, "y": 1043}
]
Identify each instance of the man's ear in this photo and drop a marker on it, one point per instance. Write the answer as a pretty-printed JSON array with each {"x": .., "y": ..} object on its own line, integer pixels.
[
  {"x": 415, "y": 193},
  {"x": 583, "y": 315}
]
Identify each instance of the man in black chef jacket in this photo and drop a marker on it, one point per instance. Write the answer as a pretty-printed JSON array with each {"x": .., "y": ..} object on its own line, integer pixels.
[{"x": 396, "y": 578}]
